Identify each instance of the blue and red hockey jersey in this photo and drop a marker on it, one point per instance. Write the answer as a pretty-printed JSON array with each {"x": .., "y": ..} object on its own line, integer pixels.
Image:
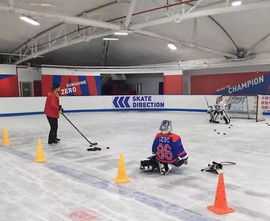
[{"x": 168, "y": 147}]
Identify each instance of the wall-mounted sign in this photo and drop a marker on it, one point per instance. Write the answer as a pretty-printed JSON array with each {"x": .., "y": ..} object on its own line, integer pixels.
[
  {"x": 71, "y": 85},
  {"x": 252, "y": 83},
  {"x": 138, "y": 102}
]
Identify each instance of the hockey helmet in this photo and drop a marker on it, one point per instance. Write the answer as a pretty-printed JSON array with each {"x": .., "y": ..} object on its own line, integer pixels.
[{"x": 166, "y": 126}]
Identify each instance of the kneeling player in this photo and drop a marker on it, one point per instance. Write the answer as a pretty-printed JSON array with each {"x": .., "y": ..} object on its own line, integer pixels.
[{"x": 167, "y": 149}]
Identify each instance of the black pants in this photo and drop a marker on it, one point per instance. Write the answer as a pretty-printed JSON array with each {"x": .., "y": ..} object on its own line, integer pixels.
[
  {"x": 53, "y": 131},
  {"x": 177, "y": 163}
]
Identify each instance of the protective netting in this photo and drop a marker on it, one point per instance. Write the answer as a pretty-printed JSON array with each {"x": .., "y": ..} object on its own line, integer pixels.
[{"x": 246, "y": 107}]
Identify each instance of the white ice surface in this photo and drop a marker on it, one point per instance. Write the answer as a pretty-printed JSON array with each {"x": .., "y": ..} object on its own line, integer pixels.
[{"x": 74, "y": 179}]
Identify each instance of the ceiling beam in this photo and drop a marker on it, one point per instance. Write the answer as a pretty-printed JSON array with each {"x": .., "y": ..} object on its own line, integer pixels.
[
  {"x": 189, "y": 11},
  {"x": 59, "y": 24},
  {"x": 215, "y": 63},
  {"x": 130, "y": 13},
  {"x": 228, "y": 35},
  {"x": 203, "y": 13},
  {"x": 226, "y": 32},
  {"x": 257, "y": 43},
  {"x": 173, "y": 66},
  {"x": 63, "y": 45},
  {"x": 185, "y": 44},
  {"x": 10, "y": 54},
  {"x": 11, "y": 3},
  {"x": 62, "y": 18}
]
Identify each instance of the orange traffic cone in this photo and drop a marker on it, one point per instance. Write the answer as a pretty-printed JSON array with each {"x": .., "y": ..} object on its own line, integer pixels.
[
  {"x": 40, "y": 154},
  {"x": 122, "y": 175},
  {"x": 220, "y": 207},
  {"x": 5, "y": 137}
]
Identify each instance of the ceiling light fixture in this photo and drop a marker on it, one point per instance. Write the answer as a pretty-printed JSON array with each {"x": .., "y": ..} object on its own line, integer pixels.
[
  {"x": 47, "y": 5},
  {"x": 121, "y": 33},
  {"x": 110, "y": 39},
  {"x": 236, "y": 3},
  {"x": 29, "y": 20},
  {"x": 172, "y": 47}
]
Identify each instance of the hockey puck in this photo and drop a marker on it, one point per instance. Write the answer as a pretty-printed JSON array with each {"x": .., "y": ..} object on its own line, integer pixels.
[
  {"x": 107, "y": 148},
  {"x": 215, "y": 130},
  {"x": 218, "y": 133},
  {"x": 94, "y": 149},
  {"x": 224, "y": 134}
]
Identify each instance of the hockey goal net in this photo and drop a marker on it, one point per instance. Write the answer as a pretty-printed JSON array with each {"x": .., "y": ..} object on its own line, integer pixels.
[{"x": 246, "y": 107}]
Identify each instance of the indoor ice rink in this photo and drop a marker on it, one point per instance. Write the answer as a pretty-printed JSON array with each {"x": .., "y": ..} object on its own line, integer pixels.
[{"x": 114, "y": 110}]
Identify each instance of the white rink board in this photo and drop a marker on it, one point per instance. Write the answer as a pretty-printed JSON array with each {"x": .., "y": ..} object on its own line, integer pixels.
[{"x": 98, "y": 103}]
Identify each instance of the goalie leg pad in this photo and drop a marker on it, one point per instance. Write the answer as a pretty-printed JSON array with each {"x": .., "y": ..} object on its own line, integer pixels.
[{"x": 226, "y": 118}]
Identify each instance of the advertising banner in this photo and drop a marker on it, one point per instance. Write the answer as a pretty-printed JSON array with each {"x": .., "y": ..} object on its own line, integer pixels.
[
  {"x": 72, "y": 85},
  {"x": 231, "y": 84},
  {"x": 138, "y": 102},
  {"x": 9, "y": 86}
]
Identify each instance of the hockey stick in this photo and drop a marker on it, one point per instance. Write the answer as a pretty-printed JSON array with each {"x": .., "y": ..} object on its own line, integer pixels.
[
  {"x": 214, "y": 167},
  {"x": 227, "y": 163},
  {"x": 206, "y": 101},
  {"x": 76, "y": 128}
]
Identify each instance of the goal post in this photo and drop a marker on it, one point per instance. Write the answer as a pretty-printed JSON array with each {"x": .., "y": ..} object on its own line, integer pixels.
[
  {"x": 260, "y": 110},
  {"x": 245, "y": 107}
]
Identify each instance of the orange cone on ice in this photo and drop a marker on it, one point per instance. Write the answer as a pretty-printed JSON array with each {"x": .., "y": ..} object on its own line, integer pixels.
[
  {"x": 122, "y": 175},
  {"x": 220, "y": 206},
  {"x": 5, "y": 137},
  {"x": 40, "y": 153}
]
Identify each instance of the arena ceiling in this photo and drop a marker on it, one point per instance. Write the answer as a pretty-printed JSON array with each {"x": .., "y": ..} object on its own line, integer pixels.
[{"x": 72, "y": 32}]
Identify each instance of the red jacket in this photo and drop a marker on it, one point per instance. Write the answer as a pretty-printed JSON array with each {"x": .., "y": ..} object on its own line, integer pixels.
[{"x": 52, "y": 105}]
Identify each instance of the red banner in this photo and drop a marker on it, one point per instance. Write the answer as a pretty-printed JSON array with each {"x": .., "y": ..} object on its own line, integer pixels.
[
  {"x": 9, "y": 86},
  {"x": 173, "y": 84},
  {"x": 251, "y": 83},
  {"x": 71, "y": 85}
]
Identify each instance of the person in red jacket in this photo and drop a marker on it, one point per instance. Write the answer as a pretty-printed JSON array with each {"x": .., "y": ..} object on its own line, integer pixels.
[{"x": 52, "y": 109}]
